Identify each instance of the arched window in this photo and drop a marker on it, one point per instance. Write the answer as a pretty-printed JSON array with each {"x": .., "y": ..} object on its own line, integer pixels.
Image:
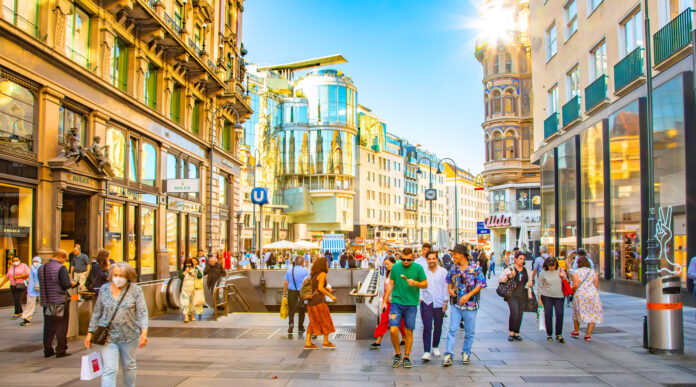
[
  {"x": 508, "y": 62},
  {"x": 496, "y": 102},
  {"x": 509, "y": 103},
  {"x": 486, "y": 141},
  {"x": 485, "y": 104},
  {"x": 497, "y": 146},
  {"x": 510, "y": 145},
  {"x": 496, "y": 65},
  {"x": 16, "y": 115}
]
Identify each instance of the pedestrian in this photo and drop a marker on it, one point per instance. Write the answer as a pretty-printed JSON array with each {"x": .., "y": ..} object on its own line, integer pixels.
[
  {"x": 253, "y": 259},
  {"x": 320, "y": 322},
  {"x": 54, "y": 282},
  {"x": 465, "y": 280},
  {"x": 215, "y": 271},
  {"x": 79, "y": 267},
  {"x": 291, "y": 289},
  {"x": 491, "y": 266},
  {"x": 506, "y": 259},
  {"x": 447, "y": 261},
  {"x": 99, "y": 271},
  {"x": 433, "y": 306},
  {"x": 190, "y": 276},
  {"x": 587, "y": 307},
  {"x": 17, "y": 275},
  {"x": 352, "y": 262},
  {"x": 406, "y": 278},
  {"x": 33, "y": 291},
  {"x": 121, "y": 308},
  {"x": 538, "y": 264},
  {"x": 383, "y": 324},
  {"x": 343, "y": 260},
  {"x": 483, "y": 262},
  {"x": 520, "y": 294},
  {"x": 422, "y": 260},
  {"x": 551, "y": 293},
  {"x": 271, "y": 261}
]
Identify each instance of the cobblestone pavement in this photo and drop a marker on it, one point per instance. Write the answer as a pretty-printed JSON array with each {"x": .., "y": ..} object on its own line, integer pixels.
[{"x": 254, "y": 349}]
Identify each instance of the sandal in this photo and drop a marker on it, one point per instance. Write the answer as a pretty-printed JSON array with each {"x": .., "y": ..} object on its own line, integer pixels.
[
  {"x": 574, "y": 334},
  {"x": 311, "y": 347},
  {"x": 549, "y": 338},
  {"x": 588, "y": 338},
  {"x": 560, "y": 339}
]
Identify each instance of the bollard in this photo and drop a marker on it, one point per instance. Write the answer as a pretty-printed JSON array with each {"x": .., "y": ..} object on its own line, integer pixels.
[
  {"x": 665, "y": 318},
  {"x": 645, "y": 332}
]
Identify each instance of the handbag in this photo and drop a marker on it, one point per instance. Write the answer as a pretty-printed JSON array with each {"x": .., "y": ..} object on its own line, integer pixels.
[
  {"x": 198, "y": 297},
  {"x": 18, "y": 285},
  {"x": 565, "y": 287},
  {"x": 92, "y": 366},
  {"x": 284, "y": 309},
  {"x": 100, "y": 335},
  {"x": 506, "y": 288},
  {"x": 532, "y": 303},
  {"x": 53, "y": 310}
]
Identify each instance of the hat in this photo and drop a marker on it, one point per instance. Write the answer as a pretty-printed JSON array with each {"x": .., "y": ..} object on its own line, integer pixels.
[
  {"x": 36, "y": 259},
  {"x": 460, "y": 248}
]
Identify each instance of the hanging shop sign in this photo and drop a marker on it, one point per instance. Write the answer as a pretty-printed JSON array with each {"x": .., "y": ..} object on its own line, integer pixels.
[
  {"x": 183, "y": 185},
  {"x": 14, "y": 231},
  {"x": 117, "y": 190},
  {"x": 497, "y": 221},
  {"x": 182, "y": 205}
]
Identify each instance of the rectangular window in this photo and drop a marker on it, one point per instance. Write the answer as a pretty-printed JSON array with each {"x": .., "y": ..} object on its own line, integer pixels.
[
  {"x": 198, "y": 36},
  {"x": 222, "y": 190},
  {"x": 632, "y": 33},
  {"x": 225, "y": 136},
  {"x": 69, "y": 119},
  {"x": 77, "y": 36},
  {"x": 119, "y": 64},
  {"x": 148, "y": 163},
  {"x": 669, "y": 9},
  {"x": 147, "y": 240},
  {"x": 172, "y": 166},
  {"x": 598, "y": 58},
  {"x": 192, "y": 173},
  {"x": 151, "y": 86},
  {"x": 22, "y": 13},
  {"x": 172, "y": 240},
  {"x": 193, "y": 236},
  {"x": 548, "y": 201},
  {"x": 567, "y": 199},
  {"x": 592, "y": 191},
  {"x": 113, "y": 230},
  {"x": 132, "y": 160},
  {"x": 573, "y": 82},
  {"x": 116, "y": 140},
  {"x": 592, "y": 5},
  {"x": 178, "y": 14},
  {"x": 551, "y": 42},
  {"x": 526, "y": 141},
  {"x": 571, "y": 17},
  {"x": 195, "y": 117},
  {"x": 552, "y": 100},
  {"x": 175, "y": 105}
]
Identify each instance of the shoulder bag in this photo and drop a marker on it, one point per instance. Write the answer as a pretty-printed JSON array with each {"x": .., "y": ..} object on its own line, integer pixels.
[
  {"x": 19, "y": 285},
  {"x": 506, "y": 288},
  {"x": 565, "y": 286},
  {"x": 100, "y": 335},
  {"x": 52, "y": 310}
]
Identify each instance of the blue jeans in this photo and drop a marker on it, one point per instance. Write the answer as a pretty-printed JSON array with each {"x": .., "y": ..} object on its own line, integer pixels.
[
  {"x": 469, "y": 318},
  {"x": 111, "y": 353},
  {"x": 430, "y": 314},
  {"x": 408, "y": 313}
]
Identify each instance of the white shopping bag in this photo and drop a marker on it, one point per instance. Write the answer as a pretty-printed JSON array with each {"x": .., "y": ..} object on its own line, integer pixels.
[
  {"x": 541, "y": 321},
  {"x": 91, "y": 366}
]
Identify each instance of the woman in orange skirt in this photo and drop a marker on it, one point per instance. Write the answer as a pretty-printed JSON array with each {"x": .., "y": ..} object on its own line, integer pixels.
[{"x": 320, "y": 322}]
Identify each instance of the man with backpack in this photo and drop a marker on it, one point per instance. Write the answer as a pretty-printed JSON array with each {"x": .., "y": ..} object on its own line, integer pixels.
[{"x": 291, "y": 289}]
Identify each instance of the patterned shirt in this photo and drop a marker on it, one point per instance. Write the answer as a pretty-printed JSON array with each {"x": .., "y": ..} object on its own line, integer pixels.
[
  {"x": 464, "y": 281},
  {"x": 130, "y": 319}
]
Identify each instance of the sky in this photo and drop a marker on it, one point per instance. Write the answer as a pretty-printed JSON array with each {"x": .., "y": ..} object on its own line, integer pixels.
[{"x": 412, "y": 61}]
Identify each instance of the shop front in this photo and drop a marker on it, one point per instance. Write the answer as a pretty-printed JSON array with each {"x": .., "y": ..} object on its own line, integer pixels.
[
  {"x": 183, "y": 232},
  {"x": 16, "y": 227}
]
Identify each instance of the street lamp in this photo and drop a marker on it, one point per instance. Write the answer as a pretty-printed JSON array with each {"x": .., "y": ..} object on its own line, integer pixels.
[
  {"x": 213, "y": 135},
  {"x": 430, "y": 187},
  {"x": 456, "y": 201}
]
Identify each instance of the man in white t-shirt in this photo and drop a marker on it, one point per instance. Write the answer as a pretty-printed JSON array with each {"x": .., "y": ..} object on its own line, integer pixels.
[{"x": 424, "y": 252}]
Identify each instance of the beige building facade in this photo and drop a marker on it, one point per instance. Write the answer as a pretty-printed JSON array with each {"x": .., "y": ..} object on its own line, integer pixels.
[
  {"x": 118, "y": 129},
  {"x": 466, "y": 207}
]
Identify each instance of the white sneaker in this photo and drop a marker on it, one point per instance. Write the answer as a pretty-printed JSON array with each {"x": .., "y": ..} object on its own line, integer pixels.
[
  {"x": 465, "y": 358},
  {"x": 436, "y": 352},
  {"x": 426, "y": 356}
]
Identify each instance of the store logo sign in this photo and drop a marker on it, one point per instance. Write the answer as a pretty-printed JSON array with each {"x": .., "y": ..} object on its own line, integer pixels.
[
  {"x": 497, "y": 221},
  {"x": 183, "y": 185}
]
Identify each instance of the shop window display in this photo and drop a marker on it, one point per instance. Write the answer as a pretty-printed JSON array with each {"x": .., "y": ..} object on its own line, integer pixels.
[
  {"x": 16, "y": 208},
  {"x": 132, "y": 242},
  {"x": 16, "y": 115},
  {"x": 147, "y": 240},
  {"x": 567, "y": 196},
  {"x": 116, "y": 140},
  {"x": 172, "y": 239},
  {"x": 148, "y": 164},
  {"x": 592, "y": 191},
  {"x": 548, "y": 201},
  {"x": 113, "y": 230},
  {"x": 193, "y": 236},
  {"x": 624, "y": 139}
]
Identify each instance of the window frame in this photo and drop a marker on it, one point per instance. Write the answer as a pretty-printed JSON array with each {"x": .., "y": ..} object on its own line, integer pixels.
[
  {"x": 119, "y": 70},
  {"x": 601, "y": 47},
  {"x": 573, "y": 82},
  {"x": 551, "y": 41},
  {"x": 552, "y": 99},
  {"x": 74, "y": 16},
  {"x": 634, "y": 18},
  {"x": 571, "y": 21},
  {"x": 141, "y": 140},
  {"x": 150, "y": 85}
]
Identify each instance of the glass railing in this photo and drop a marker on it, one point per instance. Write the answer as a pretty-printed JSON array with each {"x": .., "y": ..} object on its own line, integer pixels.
[
  {"x": 596, "y": 92},
  {"x": 628, "y": 69},
  {"x": 551, "y": 125},
  {"x": 673, "y": 37},
  {"x": 571, "y": 110}
]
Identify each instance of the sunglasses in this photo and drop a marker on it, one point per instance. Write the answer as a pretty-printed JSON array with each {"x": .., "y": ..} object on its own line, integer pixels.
[{"x": 406, "y": 260}]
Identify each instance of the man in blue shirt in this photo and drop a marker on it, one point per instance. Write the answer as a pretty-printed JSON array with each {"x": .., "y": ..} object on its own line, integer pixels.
[{"x": 291, "y": 289}]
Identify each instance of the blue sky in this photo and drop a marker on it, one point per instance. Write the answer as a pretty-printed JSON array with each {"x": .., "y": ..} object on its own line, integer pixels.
[{"x": 411, "y": 60}]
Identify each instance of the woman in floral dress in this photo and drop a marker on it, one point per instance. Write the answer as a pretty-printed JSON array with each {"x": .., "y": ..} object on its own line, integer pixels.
[{"x": 587, "y": 307}]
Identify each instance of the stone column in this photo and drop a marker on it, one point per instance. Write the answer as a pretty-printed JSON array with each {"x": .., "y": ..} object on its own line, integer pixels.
[
  {"x": 140, "y": 71},
  {"x": 106, "y": 47}
]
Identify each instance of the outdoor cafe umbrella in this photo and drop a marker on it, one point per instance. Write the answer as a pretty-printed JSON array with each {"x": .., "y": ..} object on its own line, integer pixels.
[{"x": 282, "y": 245}]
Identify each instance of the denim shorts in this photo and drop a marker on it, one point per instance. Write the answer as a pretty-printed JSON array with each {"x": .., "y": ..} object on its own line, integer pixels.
[{"x": 406, "y": 312}]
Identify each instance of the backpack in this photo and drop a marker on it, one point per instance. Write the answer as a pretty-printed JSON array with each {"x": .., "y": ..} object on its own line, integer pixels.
[
  {"x": 89, "y": 282},
  {"x": 306, "y": 292}
]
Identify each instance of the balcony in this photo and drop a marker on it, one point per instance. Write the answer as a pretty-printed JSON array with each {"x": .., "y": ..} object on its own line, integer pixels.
[
  {"x": 596, "y": 94},
  {"x": 671, "y": 38},
  {"x": 571, "y": 111},
  {"x": 551, "y": 125},
  {"x": 629, "y": 69}
]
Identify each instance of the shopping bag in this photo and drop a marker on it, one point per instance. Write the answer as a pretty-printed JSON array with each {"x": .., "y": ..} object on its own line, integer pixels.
[
  {"x": 198, "y": 298},
  {"x": 284, "y": 308},
  {"x": 541, "y": 321},
  {"x": 92, "y": 366}
]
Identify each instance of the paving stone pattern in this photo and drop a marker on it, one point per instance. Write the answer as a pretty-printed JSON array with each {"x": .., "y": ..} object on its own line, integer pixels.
[{"x": 254, "y": 349}]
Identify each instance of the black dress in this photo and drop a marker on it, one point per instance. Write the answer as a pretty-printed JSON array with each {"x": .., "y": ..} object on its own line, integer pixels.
[{"x": 518, "y": 300}]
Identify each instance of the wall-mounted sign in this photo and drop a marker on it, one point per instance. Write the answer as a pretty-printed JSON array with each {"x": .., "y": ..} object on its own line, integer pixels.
[
  {"x": 79, "y": 179},
  {"x": 14, "y": 231},
  {"x": 182, "y": 185},
  {"x": 182, "y": 205},
  {"x": 497, "y": 221},
  {"x": 128, "y": 193}
]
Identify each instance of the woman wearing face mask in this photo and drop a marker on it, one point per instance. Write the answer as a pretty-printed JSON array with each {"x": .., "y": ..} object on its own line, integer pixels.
[
  {"x": 17, "y": 274},
  {"x": 128, "y": 329},
  {"x": 190, "y": 276},
  {"x": 32, "y": 292}
]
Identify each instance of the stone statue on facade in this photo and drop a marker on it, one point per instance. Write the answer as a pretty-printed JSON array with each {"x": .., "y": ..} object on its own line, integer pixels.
[
  {"x": 100, "y": 152},
  {"x": 72, "y": 146}
]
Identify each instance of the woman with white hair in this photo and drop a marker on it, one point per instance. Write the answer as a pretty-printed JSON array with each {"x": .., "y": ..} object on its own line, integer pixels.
[
  {"x": 120, "y": 308},
  {"x": 32, "y": 292}
]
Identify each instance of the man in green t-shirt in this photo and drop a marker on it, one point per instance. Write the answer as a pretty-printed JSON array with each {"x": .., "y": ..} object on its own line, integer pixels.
[{"x": 405, "y": 282}]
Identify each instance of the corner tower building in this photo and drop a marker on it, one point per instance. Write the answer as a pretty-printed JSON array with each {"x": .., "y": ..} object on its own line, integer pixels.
[{"x": 512, "y": 181}]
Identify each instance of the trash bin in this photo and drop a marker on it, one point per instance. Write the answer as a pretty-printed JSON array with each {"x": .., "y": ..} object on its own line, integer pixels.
[{"x": 665, "y": 315}]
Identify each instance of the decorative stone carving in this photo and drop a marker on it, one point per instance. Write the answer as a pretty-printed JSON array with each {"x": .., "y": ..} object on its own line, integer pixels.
[
  {"x": 60, "y": 12},
  {"x": 100, "y": 152},
  {"x": 71, "y": 145}
]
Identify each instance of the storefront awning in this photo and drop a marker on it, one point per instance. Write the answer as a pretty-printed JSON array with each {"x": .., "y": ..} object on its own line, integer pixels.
[{"x": 333, "y": 245}]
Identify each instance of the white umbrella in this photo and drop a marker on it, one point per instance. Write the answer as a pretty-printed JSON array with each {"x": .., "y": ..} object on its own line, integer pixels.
[
  {"x": 307, "y": 245},
  {"x": 282, "y": 245}
]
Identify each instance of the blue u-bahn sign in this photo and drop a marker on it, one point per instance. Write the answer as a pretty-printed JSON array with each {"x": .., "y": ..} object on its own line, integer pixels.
[{"x": 259, "y": 195}]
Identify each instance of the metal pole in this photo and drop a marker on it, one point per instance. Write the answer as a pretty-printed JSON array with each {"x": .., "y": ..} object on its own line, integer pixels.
[
  {"x": 430, "y": 178},
  {"x": 253, "y": 212}
]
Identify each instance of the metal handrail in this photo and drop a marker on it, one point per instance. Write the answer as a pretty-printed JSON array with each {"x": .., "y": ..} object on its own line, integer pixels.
[
  {"x": 216, "y": 302},
  {"x": 238, "y": 296}
]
